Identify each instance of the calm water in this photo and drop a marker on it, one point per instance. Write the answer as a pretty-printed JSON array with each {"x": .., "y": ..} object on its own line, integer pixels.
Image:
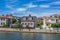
[{"x": 28, "y": 36}]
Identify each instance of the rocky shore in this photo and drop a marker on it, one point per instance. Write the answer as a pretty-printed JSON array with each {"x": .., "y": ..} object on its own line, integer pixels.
[{"x": 31, "y": 31}]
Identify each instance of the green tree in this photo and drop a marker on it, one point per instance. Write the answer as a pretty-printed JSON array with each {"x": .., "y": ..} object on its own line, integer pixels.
[
  {"x": 14, "y": 20},
  {"x": 17, "y": 25},
  {"x": 49, "y": 27},
  {"x": 20, "y": 26},
  {"x": 27, "y": 26},
  {"x": 39, "y": 24},
  {"x": 56, "y": 26}
]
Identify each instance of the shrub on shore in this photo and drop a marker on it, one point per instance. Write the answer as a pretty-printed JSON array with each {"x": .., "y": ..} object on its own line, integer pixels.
[{"x": 56, "y": 26}]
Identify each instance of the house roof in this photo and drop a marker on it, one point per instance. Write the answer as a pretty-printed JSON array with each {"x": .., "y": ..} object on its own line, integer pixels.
[
  {"x": 34, "y": 18},
  {"x": 8, "y": 17}
]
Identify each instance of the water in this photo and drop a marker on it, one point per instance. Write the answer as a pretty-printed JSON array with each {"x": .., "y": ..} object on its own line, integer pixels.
[{"x": 28, "y": 36}]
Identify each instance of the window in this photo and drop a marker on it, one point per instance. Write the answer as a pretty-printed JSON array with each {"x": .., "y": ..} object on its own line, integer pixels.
[
  {"x": 2, "y": 23},
  {"x": 23, "y": 23},
  {"x": 53, "y": 19},
  {"x": 31, "y": 23},
  {"x": 24, "y": 18},
  {"x": 2, "y": 19},
  {"x": 30, "y": 18}
]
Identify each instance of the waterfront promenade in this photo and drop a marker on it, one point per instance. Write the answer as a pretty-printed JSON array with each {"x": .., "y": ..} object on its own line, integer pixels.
[{"x": 31, "y": 30}]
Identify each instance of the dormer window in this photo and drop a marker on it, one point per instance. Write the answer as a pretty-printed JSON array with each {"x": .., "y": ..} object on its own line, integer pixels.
[
  {"x": 30, "y": 18},
  {"x": 24, "y": 18}
]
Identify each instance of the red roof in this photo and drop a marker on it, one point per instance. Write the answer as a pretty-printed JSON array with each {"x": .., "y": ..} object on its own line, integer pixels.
[{"x": 8, "y": 17}]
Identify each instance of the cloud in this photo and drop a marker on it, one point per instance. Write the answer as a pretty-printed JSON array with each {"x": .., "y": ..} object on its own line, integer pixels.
[
  {"x": 32, "y": 13},
  {"x": 44, "y": 6},
  {"x": 56, "y": 3},
  {"x": 21, "y": 9},
  {"x": 47, "y": 14},
  {"x": 26, "y": 13},
  {"x": 14, "y": 10},
  {"x": 30, "y": 5},
  {"x": 9, "y": 6},
  {"x": 37, "y": 14}
]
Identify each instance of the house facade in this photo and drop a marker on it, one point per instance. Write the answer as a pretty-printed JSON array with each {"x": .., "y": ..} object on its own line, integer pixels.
[
  {"x": 29, "y": 20},
  {"x": 6, "y": 20},
  {"x": 52, "y": 19}
]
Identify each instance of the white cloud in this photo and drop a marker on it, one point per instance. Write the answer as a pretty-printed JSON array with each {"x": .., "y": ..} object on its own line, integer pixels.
[
  {"x": 26, "y": 13},
  {"x": 30, "y": 5},
  {"x": 21, "y": 9},
  {"x": 16, "y": 10},
  {"x": 38, "y": 14},
  {"x": 9, "y": 6},
  {"x": 56, "y": 3},
  {"x": 47, "y": 14},
  {"x": 32, "y": 13},
  {"x": 44, "y": 6}
]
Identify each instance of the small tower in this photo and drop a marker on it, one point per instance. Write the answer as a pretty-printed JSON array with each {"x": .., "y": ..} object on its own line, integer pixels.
[{"x": 29, "y": 15}]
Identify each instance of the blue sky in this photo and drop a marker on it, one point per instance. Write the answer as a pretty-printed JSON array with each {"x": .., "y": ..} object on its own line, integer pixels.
[{"x": 34, "y": 7}]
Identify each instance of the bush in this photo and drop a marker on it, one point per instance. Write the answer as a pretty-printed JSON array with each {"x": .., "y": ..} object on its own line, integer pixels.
[{"x": 56, "y": 26}]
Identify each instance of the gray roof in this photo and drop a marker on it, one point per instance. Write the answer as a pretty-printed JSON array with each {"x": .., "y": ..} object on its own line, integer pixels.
[{"x": 34, "y": 18}]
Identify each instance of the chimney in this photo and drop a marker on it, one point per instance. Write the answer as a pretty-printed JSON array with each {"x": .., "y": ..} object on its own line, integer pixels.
[
  {"x": 11, "y": 15},
  {"x": 7, "y": 15}
]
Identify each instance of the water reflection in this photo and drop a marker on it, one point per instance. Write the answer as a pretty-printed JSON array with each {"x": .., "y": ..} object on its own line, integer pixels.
[
  {"x": 28, "y": 36},
  {"x": 31, "y": 36},
  {"x": 51, "y": 36}
]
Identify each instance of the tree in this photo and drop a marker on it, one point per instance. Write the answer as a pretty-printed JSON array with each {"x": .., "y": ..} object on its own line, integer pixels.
[
  {"x": 14, "y": 20},
  {"x": 20, "y": 26},
  {"x": 17, "y": 25},
  {"x": 49, "y": 27},
  {"x": 39, "y": 24},
  {"x": 27, "y": 26},
  {"x": 56, "y": 26}
]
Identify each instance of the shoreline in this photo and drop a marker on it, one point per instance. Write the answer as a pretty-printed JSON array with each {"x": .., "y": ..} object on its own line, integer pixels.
[{"x": 27, "y": 31}]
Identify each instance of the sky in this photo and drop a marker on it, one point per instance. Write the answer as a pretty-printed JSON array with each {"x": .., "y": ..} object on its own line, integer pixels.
[{"x": 34, "y": 7}]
